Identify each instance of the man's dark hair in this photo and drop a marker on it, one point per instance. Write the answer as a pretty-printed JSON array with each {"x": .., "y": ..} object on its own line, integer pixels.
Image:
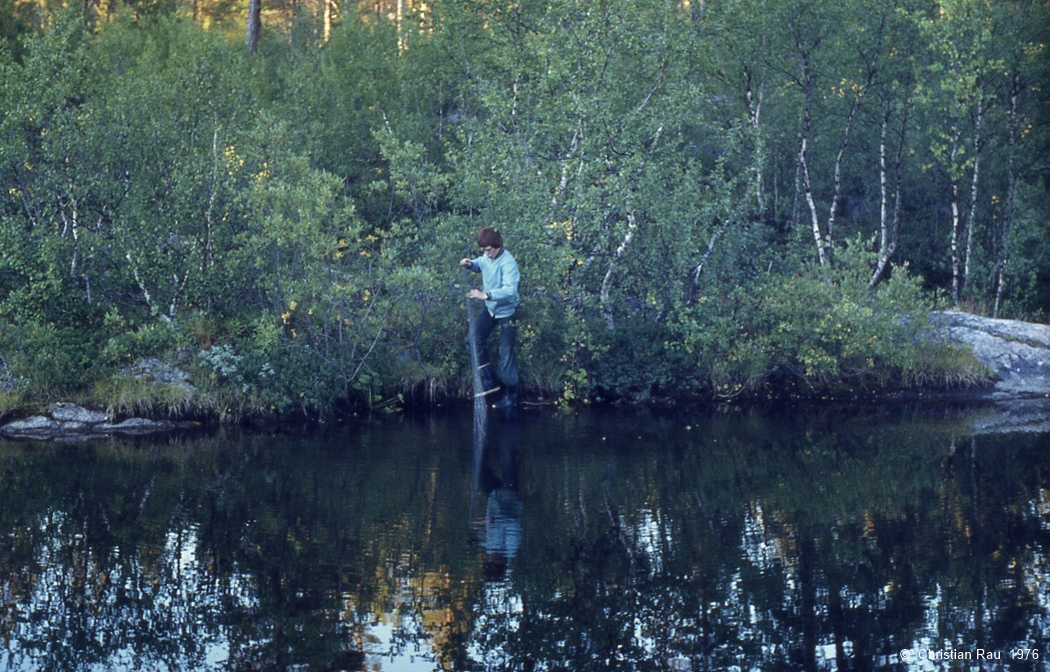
[{"x": 489, "y": 237}]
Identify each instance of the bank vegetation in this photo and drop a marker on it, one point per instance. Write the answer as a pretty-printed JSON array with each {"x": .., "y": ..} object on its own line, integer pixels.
[{"x": 717, "y": 200}]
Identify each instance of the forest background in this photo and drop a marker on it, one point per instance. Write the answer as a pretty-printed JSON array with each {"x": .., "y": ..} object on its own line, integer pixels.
[{"x": 710, "y": 199}]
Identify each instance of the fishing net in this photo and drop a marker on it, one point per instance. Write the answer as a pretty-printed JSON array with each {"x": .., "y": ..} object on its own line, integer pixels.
[{"x": 480, "y": 409}]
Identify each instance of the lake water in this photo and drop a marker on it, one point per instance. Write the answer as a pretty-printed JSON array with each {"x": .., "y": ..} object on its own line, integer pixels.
[{"x": 882, "y": 538}]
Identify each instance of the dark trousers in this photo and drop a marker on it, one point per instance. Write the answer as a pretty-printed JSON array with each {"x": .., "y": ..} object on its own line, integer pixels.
[{"x": 506, "y": 368}]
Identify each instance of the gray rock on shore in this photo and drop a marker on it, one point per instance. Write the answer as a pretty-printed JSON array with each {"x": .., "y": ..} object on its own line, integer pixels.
[
  {"x": 1018, "y": 352},
  {"x": 35, "y": 425},
  {"x": 66, "y": 422},
  {"x": 161, "y": 373},
  {"x": 66, "y": 412}
]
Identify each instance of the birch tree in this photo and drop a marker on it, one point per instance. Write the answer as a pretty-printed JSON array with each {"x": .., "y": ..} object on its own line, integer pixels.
[
  {"x": 889, "y": 222},
  {"x": 1022, "y": 29},
  {"x": 743, "y": 67},
  {"x": 596, "y": 119},
  {"x": 893, "y": 116},
  {"x": 48, "y": 204},
  {"x": 814, "y": 41},
  {"x": 958, "y": 33}
]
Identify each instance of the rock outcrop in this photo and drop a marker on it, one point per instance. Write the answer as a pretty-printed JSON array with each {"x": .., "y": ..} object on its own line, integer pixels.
[
  {"x": 1018, "y": 352},
  {"x": 68, "y": 422},
  {"x": 159, "y": 372}
]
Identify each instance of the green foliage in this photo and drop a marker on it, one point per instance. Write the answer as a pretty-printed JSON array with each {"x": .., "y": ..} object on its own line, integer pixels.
[
  {"x": 10, "y": 400},
  {"x": 48, "y": 360},
  {"x": 151, "y": 339},
  {"x": 822, "y": 331},
  {"x": 638, "y": 362},
  {"x": 297, "y": 215},
  {"x": 125, "y": 395},
  {"x": 16, "y": 22}
]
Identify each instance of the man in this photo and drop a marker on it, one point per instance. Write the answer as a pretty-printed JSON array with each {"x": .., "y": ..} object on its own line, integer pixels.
[{"x": 499, "y": 279}]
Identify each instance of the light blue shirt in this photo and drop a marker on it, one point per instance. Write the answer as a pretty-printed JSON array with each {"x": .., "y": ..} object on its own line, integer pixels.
[{"x": 499, "y": 279}]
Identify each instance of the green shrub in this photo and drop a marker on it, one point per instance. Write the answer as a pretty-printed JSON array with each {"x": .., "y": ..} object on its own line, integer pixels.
[
  {"x": 638, "y": 362},
  {"x": 10, "y": 400},
  {"x": 821, "y": 331},
  {"x": 48, "y": 360},
  {"x": 125, "y": 395},
  {"x": 153, "y": 339}
]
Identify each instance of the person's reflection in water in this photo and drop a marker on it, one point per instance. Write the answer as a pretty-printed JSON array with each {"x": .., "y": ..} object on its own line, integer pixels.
[{"x": 499, "y": 532}]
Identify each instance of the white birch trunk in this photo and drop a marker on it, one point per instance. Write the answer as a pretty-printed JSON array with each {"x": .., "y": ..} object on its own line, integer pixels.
[
  {"x": 954, "y": 244},
  {"x": 754, "y": 110},
  {"x": 70, "y": 226},
  {"x": 563, "y": 181},
  {"x": 209, "y": 215},
  {"x": 889, "y": 243},
  {"x": 973, "y": 186},
  {"x": 884, "y": 233},
  {"x": 138, "y": 280},
  {"x": 607, "y": 311},
  {"x": 807, "y": 190},
  {"x": 699, "y": 268},
  {"x": 837, "y": 185},
  {"x": 1011, "y": 196},
  {"x": 824, "y": 242}
]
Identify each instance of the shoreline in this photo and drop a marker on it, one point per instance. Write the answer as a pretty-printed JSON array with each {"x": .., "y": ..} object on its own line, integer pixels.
[
  {"x": 1017, "y": 355},
  {"x": 65, "y": 422}
]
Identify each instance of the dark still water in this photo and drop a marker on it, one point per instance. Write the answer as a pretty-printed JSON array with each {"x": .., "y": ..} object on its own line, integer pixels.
[{"x": 598, "y": 541}]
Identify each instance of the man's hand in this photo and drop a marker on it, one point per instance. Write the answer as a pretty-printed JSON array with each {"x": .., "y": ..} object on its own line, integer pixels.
[
  {"x": 466, "y": 263},
  {"x": 477, "y": 294}
]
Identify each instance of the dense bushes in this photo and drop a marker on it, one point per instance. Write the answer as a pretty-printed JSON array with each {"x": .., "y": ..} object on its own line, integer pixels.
[
  {"x": 285, "y": 227},
  {"x": 822, "y": 331}
]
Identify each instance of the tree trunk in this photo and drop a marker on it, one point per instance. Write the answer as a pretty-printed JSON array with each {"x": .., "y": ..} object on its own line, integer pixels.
[
  {"x": 889, "y": 243},
  {"x": 803, "y": 163},
  {"x": 329, "y": 12},
  {"x": 399, "y": 20},
  {"x": 1004, "y": 244},
  {"x": 607, "y": 311},
  {"x": 808, "y": 191},
  {"x": 973, "y": 186},
  {"x": 954, "y": 203},
  {"x": 796, "y": 207},
  {"x": 207, "y": 258},
  {"x": 254, "y": 25},
  {"x": 884, "y": 231},
  {"x": 837, "y": 185},
  {"x": 699, "y": 267},
  {"x": 754, "y": 111},
  {"x": 824, "y": 246},
  {"x": 1003, "y": 253}
]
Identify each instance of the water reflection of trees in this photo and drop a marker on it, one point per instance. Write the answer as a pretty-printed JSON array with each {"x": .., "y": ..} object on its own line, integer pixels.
[
  {"x": 643, "y": 545},
  {"x": 761, "y": 549}
]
